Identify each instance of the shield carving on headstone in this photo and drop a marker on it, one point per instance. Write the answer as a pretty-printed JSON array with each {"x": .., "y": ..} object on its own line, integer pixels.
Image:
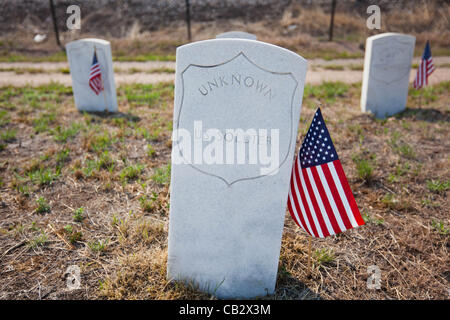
[{"x": 241, "y": 118}]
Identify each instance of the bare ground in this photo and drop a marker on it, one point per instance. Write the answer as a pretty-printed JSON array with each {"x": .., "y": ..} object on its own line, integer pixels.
[{"x": 114, "y": 166}]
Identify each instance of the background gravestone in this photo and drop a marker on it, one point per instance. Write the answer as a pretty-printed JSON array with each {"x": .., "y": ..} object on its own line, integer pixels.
[
  {"x": 236, "y": 34},
  {"x": 80, "y": 54},
  {"x": 226, "y": 220},
  {"x": 387, "y": 65}
]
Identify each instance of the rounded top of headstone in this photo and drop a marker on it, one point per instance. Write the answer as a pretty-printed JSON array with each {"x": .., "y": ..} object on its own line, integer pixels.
[
  {"x": 88, "y": 40},
  {"x": 393, "y": 35},
  {"x": 276, "y": 76},
  {"x": 237, "y": 34},
  {"x": 235, "y": 45}
]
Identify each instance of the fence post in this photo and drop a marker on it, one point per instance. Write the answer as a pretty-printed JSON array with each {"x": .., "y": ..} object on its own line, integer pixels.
[
  {"x": 188, "y": 20},
  {"x": 333, "y": 8},
  {"x": 55, "y": 24}
]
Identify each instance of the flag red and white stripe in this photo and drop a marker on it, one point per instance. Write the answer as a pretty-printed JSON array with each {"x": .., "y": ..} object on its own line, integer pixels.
[
  {"x": 95, "y": 76},
  {"x": 320, "y": 199},
  {"x": 425, "y": 68}
]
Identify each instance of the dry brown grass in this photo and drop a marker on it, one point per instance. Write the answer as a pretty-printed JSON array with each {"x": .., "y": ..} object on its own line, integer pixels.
[
  {"x": 303, "y": 29},
  {"x": 122, "y": 251},
  {"x": 142, "y": 275}
]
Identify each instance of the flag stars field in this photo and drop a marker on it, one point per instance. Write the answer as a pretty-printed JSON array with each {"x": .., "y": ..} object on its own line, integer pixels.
[{"x": 319, "y": 143}]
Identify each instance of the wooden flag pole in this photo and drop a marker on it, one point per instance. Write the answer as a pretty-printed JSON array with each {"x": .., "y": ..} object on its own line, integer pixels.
[
  {"x": 309, "y": 256},
  {"x": 103, "y": 85}
]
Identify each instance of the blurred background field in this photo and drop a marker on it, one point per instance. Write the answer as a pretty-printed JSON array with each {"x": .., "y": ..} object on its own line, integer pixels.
[{"x": 151, "y": 30}]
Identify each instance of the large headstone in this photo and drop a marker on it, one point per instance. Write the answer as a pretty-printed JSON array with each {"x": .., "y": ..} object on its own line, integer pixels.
[
  {"x": 80, "y": 54},
  {"x": 387, "y": 65},
  {"x": 236, "y": 35},
  {"x": 236, "y": 114}
]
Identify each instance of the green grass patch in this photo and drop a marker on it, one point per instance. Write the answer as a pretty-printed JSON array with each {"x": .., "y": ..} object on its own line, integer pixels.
[
  {"x": 162, "y": 175},
  {"x": 42, "y": 205},
  {"x": 131, "y": 172},
  {"x": 105, "y": 161},
  {"x": 4, "y": 118},
  {"x": 438, "y": 186},
  {"x": 391, "y": 202},
  {"x": 364, "y": 167},
  {"x": 148, "y": 203},
  {"x": 323, "y": 256},
  {"x": 43, "y": 176},
  {"x": 61, "y": 134},
  {"x": 153, "y": 95},
  {"x": 369, "y": 219},
  {"x": 8, "y": 135},
  {"x": 39, "y": 240},
  {"x": 59, "y": 56},
  {"x": 400, "y": 147},
  {"x": 161, "y": 70},
  {"x": 428, "y": 94},
  {"x": 400, "y": 171},
  {"x": 439, "y": 226},
  {"x": 72, "y": 235},
  {"x": 42, "y": 123},
  {"x": 151, "y": 153},
  {"x": 328, "y": 54},
  {"x": 327, "y": 91},
  {"x": 78, "y": 214},
  {"x": 143, "y": 57},
  {"x": 356, "y": 67},
  {"x": 101, "y": 142},
  {"x": 98, "y": 245},
  {"x": 334, "y": 67}
]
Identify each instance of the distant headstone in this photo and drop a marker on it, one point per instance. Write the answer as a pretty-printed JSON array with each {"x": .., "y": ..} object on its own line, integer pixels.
[
  {"x": 80, "y": 54},
  {"x": 237, "y": 34},
  {"x": 387, "y": 65},
  {"x": 236, "y": 113}
]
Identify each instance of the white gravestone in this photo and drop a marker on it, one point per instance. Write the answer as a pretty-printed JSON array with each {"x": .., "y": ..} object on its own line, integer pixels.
[
  {"x": 236, "y": 113},
  {"x": 80, "y": 54},
  {"x": 387, "y": 65},
  {"x": 236, "y": 35}
]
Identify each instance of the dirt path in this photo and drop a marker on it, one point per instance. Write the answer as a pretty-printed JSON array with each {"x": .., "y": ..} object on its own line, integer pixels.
[
  {"x": 124, "y": 65},
  {"x": 145, "y": 72},
  {"x": 312, "y": 77}
]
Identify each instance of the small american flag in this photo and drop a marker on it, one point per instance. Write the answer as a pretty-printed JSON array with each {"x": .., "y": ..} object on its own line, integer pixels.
[
  {"x": 320, "y": 199},
  {"x": 425, "y": 69},
  {"x": 95, "y": 76}
]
